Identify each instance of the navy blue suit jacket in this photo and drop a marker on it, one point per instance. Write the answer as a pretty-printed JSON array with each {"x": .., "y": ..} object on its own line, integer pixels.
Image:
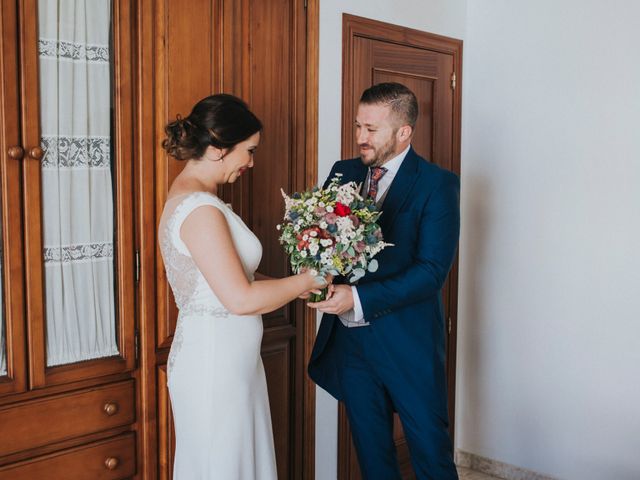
[{"x": 402, "y": 300}]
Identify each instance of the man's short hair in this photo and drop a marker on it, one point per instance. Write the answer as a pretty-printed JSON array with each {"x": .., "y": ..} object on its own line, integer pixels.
[{"x": 402, "y": 101}]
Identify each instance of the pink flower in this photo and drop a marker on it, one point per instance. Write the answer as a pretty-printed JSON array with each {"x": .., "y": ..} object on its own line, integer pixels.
[
  {"x": 354, "y": 220},
  {"x": 360, "y": 246},
  {"x": 330, "y": 218}
]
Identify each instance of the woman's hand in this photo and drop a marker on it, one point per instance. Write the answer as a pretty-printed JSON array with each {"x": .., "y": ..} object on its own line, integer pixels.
[{"x": 316, "y": 286}]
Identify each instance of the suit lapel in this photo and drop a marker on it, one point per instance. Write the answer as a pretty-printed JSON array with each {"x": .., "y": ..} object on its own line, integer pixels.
[
  {"x": 356, "y": 174},
  {"x": 399, "y": 190}
]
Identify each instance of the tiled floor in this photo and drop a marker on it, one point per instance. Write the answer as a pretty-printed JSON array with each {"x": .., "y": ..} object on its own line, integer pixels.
[{"x": 466, "y": 474}]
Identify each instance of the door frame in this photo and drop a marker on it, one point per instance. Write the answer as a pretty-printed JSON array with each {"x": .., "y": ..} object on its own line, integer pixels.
[
  {"x": 311, "y": 179},
  {"x": 355, "y": 26}
]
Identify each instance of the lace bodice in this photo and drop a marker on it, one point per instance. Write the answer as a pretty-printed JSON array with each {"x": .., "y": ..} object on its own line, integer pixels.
[
  {"x": 215, "y": 374},
  {"x": 190, "y": 289}
]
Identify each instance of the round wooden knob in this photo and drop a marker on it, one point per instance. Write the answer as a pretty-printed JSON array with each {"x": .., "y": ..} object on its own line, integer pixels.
[
  {"x": 36, "y": 153},
  {"x": 111, "y": 463},
  {"x": 16, "y": 152},
  {"x": 110, "y": 408}
]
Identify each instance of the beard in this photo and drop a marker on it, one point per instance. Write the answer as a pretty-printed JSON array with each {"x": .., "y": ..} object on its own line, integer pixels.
[{"x": 380, "y": 155}]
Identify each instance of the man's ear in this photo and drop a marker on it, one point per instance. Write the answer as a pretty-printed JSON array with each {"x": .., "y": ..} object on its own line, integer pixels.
[{"x": 404, "y": 133}]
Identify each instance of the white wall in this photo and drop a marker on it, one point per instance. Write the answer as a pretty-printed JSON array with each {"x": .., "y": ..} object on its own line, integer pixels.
[
  {"x": 444, "y": 17},
  {"x": 549, "y": 312}
]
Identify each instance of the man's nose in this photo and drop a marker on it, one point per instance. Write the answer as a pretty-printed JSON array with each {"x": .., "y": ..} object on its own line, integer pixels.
[{"x": 361, "y": 137}]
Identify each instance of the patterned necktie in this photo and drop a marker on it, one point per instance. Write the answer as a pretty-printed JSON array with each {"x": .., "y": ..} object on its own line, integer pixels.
[{"x": 376, "y": 174}]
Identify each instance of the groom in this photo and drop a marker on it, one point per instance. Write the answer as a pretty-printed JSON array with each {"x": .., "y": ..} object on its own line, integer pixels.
[{"x": 381, "y": 344}]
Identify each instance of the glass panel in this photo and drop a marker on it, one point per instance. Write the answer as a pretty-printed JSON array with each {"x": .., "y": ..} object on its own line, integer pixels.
[{"x": 77, "y": 189}]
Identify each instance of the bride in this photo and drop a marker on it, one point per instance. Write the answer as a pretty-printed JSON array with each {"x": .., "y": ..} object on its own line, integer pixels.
[{"x": 216, "y": 378}]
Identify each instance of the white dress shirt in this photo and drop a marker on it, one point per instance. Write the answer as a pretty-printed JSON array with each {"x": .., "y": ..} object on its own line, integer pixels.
[{"x": 355, "y": 316}]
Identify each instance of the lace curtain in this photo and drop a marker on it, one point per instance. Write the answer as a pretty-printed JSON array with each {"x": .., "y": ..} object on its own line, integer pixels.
[{"x": 77, "y": 194}]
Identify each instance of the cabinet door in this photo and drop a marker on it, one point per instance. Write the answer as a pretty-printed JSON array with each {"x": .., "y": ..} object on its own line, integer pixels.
[
  {"x": 257, "y": 50},
  {"x": 77, "y": 184},
  {"x": 12, "y": 344}
]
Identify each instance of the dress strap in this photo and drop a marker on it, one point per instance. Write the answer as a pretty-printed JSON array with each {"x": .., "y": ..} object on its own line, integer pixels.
[{"x": 185, "y": 208}]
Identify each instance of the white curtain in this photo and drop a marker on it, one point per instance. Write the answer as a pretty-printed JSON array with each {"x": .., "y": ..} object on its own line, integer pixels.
[{"x": 77, "y": 196}]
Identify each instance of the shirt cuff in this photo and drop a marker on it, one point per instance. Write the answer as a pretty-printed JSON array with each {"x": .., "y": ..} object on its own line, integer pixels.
[{"x": 358, "y": 315}]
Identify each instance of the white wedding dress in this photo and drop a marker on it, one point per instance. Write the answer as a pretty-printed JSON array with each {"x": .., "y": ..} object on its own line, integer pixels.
[{"x": 216, "y": 378}]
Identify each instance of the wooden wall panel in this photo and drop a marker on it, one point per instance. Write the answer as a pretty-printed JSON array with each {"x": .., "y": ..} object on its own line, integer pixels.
[
  {"x": 277, "y": 364},
  {"x": 258, "y": 51},
  {"x": 186, "y": 69},
  {"x": 166, "y": 435}
]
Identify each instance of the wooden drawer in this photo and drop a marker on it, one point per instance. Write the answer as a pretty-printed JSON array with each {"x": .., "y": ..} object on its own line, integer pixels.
[
  {"x": 112, "y": 459},
  {"x": 44, "y": 421}
]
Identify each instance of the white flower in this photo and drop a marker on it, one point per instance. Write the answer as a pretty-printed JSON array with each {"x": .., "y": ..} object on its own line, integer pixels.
[
  {"x": 329, "y": 209},
  {"x": 303, "y": 254},
  {"x": 305, "y": 237},
  {"x": 278, "y": 227},
  {"x": 313, "y": 233},
  {"x": 323, "y": 225}
]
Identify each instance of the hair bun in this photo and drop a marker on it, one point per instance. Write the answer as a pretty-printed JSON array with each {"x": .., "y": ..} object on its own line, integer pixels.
[{"x": 219, "y": 120}]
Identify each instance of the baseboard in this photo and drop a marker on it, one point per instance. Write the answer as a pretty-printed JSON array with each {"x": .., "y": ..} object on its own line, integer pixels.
[{"x": 496, "y": 468}]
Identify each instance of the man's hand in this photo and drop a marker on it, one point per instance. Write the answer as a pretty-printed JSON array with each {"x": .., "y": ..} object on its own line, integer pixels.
[{"x": 339, "y": 300}]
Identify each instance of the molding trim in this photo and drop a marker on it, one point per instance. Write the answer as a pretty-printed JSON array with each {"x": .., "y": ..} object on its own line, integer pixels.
[
  {"x": 496, "y": 468},
  {"x": 310, "y": 179}
]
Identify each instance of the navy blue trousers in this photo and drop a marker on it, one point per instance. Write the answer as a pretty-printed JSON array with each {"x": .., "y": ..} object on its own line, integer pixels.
[{"x": 372, "y": 390}]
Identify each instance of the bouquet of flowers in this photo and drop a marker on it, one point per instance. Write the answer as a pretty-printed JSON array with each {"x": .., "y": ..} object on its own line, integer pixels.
[{"x": 332, "y": 231}]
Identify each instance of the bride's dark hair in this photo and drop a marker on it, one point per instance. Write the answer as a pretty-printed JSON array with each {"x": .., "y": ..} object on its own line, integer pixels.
[{"x": 220, "y": 120}]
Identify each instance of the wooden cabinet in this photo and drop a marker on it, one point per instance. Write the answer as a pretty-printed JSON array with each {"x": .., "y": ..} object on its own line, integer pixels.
[
  {"x": 67, "y": 342},
  {"x": 259, "y": 51},
  {"x": 87, "y": 317}
]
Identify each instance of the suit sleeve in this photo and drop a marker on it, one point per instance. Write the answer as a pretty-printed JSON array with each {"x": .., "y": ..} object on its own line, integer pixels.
[{"x": 438, "y": 234}]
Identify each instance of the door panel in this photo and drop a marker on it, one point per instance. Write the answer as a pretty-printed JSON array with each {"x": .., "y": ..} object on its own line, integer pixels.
[
  {"x": 375, "y": 52},
  {"x": 256, "y": 50}
]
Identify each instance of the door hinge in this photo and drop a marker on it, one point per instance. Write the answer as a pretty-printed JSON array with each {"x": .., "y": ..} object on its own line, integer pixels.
[
  {"x": 137, "y": 266},
  {"x": 136, "y": 344},
  {"x": 449, "y": 325},
  {"x": 453, "y": 81},
  {"x": 306, "y": 3}
]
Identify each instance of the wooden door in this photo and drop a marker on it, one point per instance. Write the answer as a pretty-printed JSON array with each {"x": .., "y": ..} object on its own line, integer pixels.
[
  {"x": 429, "y": 65},
  {"x": 258, "y": 51}
]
